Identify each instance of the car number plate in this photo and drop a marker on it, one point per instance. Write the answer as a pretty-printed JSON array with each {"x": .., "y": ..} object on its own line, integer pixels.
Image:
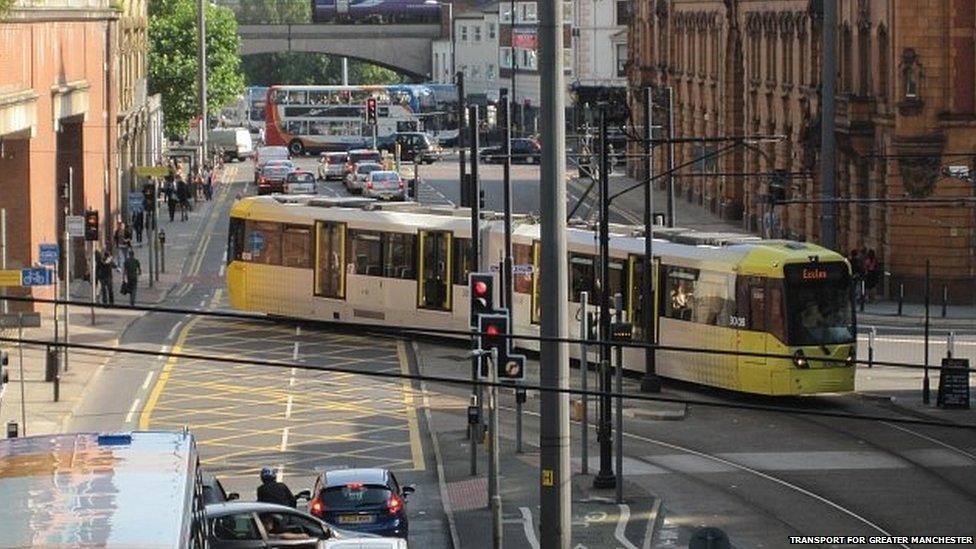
[{"x": 355, "y": 519}]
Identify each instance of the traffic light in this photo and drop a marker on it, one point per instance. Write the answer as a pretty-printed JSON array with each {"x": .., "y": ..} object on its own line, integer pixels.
[
  {"x": 371, "y": 111},
  {"x": 4, "y": 376},
  {"x": 91, "y": 225},
  {"x": 482, "y": 286},
  {"x": 512, "y": 368},
  {"x": 493, "y": 329}
]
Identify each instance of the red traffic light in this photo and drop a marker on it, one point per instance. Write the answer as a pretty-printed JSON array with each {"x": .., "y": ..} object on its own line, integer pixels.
[
  {"x": 480, "y": 288},
  {"x": 492, "y": 330}
]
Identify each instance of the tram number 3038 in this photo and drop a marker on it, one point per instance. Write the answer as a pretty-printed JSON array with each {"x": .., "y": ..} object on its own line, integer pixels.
[{"x": 737, "y": 321}]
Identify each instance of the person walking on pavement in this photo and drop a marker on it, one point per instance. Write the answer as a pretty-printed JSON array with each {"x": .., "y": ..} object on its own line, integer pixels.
[
  {"x": 208, "y": 186},
  {"x": 183, "y": 195},
  {"x": 169, "y": 190},
  {"x": 272, "y": 491},
  {"x": 122, "y": 240},
  {"x": 103, "y": 274},
  {"x": 132, "y": 269},
  {"x": 138, "y": 219}
]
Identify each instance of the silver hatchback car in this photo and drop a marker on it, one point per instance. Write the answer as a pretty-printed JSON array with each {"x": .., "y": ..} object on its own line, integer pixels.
[
  {"x": 356, "y": 180},
  {"x": 385, "y": 184}
]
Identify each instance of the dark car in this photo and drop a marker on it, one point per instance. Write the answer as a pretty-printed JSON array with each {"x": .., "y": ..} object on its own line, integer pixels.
[
  {"x": 271, "y": 178},
  {"x": 363, "y": 500},
  {"x": 524, "y": 149},
  {"x": 414, "y": 146},
  {"x": 247, "y": 524}
]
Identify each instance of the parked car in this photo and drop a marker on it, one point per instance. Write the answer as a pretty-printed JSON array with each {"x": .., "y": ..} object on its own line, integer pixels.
[
  {"x": 299, "y": 182},
  {"x": 247, "y": 524},
  {"x": 332, "y": 166},
  {"x": 524, "y": 149},
  {"x": 266, "y": 154},
  {"x": 235, "y": 143},
  {"x": 355, "y": 181},
  {"x": 363, "y": 500},
  {"x": 384, "y": 184},
  {"x": 272, "y": 177},
  {"x": 417, "y": 146}
]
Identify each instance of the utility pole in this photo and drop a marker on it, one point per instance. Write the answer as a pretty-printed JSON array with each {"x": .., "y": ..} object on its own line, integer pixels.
[
  {"x": 462, "y": 167},
  {"x": 605, "y": 478},
  {"x": 671, "y": 169},
  {"x": 345, "y": 71},
  {"x": 493, "y": 471},
  {"x": 504, "y": 105},
  {"x": 828, "y": 108},
  {"x": 555, "y": 489},
  {"x": 473, "y": 191},
  {"x": 202, "y": 75},
  {"x": 650, "y": 383},
  {"x": 514, "y": 63}
]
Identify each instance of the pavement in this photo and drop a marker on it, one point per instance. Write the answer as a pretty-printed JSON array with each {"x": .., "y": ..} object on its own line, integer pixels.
[{"x": 32, "y": 404}]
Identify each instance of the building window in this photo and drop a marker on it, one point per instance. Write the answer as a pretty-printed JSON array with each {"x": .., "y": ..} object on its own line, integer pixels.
[
  {"x": 567, "y": 12},
  {"x": 568, "y": 60},
  {"x": 623, "y": 12},
  {"x": 621, "y": 60},
  {"x": 505, "y": 12},
  {"x": 527, "y": 13},
  {"x": 464, "y": 33},
  {"x": 491, "y": 31},
  {"x": 505, "y": 57},
  {"x": 490, "y": 72},
  {"x": 477, "y": 33}
]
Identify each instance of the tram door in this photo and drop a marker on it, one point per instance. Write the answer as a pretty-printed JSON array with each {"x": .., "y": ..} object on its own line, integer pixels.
[
  {"x": 637, "y": 298},
  {"x": 751, "y": 319},
  {"x": 434, "y": 274}
]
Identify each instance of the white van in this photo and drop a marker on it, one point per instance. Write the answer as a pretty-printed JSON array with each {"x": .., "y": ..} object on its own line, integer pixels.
[{"x": 235, "y": 142}]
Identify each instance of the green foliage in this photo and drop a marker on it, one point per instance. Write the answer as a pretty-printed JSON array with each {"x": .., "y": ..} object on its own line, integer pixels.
[
  {"x": 304, "y": 68},
  {"x": 173, "y": 59},
  {"x": 5, "y": 7},
  {"x": 273, "y": 11}
]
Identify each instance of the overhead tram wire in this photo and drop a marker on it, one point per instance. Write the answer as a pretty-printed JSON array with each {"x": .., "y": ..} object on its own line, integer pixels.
[
  {"x": 400, "y": 331},
  {"x": 400, "y": 376}
]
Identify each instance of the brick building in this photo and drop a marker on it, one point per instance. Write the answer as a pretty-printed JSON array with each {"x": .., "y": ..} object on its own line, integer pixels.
[
  {"x": 906, "y": 110},
  {"x": 58, "y": 103}
]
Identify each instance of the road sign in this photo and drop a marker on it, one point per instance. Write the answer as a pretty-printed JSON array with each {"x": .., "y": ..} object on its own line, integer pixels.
[
  {"x": 10, "y": 277},
  {"x": 49, "y": 254},
  {"x": 36, "y": 277},
  {"x": 257, "y": 241},
  {"x": 152, "y": 171},
  {"x": 136, "y": 202},
  {"x": 75, "y": 225},
  {"x": 25, "y": 320}
]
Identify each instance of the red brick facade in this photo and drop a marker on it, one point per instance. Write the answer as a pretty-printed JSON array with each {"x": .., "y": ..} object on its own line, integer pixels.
[{"x": 906, "y": 97}]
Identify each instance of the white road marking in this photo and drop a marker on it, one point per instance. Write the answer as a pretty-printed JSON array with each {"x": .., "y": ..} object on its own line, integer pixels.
[
  {"x": 294, "y": 352},
  {"x": 651, "y": 522},
  {"x": 163, "y": 351},
  {"x": 288, "y": 407},
  {"x": 145, "y": 384},
  {"x": 224, "y": 260},
  {"x": 291, "y": 382},
  {"x": 132, "y": 410},
  {"x": 220, "y": 273},
  {"x": 203, "y": 303},
  {"x": 172, "y": 332},
  {"x": 528, "y": 527},
  {"x": 932, "y": 340},
  {"x": 281, "y": 472},
  {"x": 298, "y": 331},
  {"x": 620, "y": 532},
  {"x": 284, "y": 439}
]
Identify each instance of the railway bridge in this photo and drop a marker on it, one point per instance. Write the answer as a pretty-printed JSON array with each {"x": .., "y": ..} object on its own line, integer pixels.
[{"x": 404, "y": 48}]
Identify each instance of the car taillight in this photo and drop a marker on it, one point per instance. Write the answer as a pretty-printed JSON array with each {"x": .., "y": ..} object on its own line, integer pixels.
[
  {"x": 316, "y": 507},
  {"x": 401, "y": 184},
  {"x": 394, "y": 504},
  {"x": 369, "y": 184}
]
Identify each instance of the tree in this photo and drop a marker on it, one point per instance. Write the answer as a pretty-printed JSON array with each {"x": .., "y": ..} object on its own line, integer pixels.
[
  {"x": 173, "y": 59},
  {"x": 5, "y": 7}
]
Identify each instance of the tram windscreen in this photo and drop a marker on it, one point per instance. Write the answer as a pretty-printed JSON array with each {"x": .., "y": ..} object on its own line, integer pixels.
[{"x": 818, "y": 298}]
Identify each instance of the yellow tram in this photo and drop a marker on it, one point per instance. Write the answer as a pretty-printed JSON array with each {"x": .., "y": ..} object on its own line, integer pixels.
[{"x": 407, "y": 265}]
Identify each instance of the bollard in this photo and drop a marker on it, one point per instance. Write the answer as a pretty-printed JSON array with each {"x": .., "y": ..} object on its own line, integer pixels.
[
  {"x": 901, "y": 297},
  {"x": 162, "y": 250},
  {"x": 57, "y": 387},
  {"x": 950, "y": 344},
  {"x": 945, "y": 299},
  {"x": 871, "y": 336},
  {"x": 51, "y": 364},
  {"x": 12, "y": 430},
  {"x": 863, "y": 296}
]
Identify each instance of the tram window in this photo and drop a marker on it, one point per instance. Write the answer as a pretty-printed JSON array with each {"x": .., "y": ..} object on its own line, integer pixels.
[
  {"x": 462, "y": 260},
  {"x": 757, "y": 306},
  {"x": 617, "y": 276},
  {"x": 330, "y": 274},
  {"x": 435, "y": 279},
  {"x": 581, "y": 277},
  {"x": 399, "y": 255},
  {"x": 522, "y": 281},
  {"x": 681, "y": 293},
  {"x": 713, "y": 305},
  {"x": 296, "y": 247},
  {"x": 235, "y": 239},
  {"x": 775, "y": 309},
  {"x": 536, "y": 286},
  {"x": 364, "y": 252},
  {"x": 262, "y": 241}
]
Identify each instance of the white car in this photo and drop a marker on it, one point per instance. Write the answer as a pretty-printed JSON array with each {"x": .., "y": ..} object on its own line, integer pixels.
[
  {"x": 300, "y": 183},
  {"x": 385, "y": 184},
  {"x": 356, "y": 181},
  {"x": 333, "y": 165},
  {"x": 365, "y": 543}
]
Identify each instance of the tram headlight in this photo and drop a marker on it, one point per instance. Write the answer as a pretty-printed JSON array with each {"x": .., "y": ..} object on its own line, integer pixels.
[{"x": 800, "y": 360}]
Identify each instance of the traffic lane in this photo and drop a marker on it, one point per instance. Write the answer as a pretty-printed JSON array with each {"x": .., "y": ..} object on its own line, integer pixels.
[{"x": 846, "y": 466}]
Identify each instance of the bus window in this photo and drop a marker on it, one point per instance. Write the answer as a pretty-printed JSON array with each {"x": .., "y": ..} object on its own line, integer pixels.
[
  {"x": 330, "y": 276},
  {"x": 434, "y": 288},
  {"x": 235, "y": 239}
]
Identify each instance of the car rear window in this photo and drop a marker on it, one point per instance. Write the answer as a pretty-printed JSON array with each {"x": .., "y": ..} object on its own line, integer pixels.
[
  {"x": 354, "y": 495},
  {"x": 335, "y": 160},
  {"x": 384, "y": 177},
  {"x": 359, "y": 157},
  {"x": 369, "y": 168},
  {"x": 302, "y": 177}
]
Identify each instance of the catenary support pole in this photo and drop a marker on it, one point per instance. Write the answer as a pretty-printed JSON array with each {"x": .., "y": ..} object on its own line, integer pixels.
[
  {"x": 828, "y": 143},
  {"x": 507, "y": 206},
  {"x": 618, "y": 304},
  {"x": 925, "y": 379},
  {"x": 462, "y": 162},
  {"x": 671, "y": 161},
  {"x": 202, "y": 75},
  {"x": 555, "y": 490},
  {"x": 584, "y": 330},
  {"x": 605, "y": 477},
  {"x": 69, "y": 260},
  {"x": 494, "y": 480},
  {"x": 650, "y": 383}
]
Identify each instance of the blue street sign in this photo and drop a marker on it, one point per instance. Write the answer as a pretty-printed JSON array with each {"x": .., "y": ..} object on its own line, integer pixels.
[
  {"x": 257, "y": 241},
  {"x": 36, "y": 277},
  {"x": 136, "y": 202},
  {"x": 49, "y": 254}
]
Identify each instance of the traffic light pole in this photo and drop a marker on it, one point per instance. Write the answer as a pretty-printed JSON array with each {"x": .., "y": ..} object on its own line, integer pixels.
[
  {"x": 494, "y": 482},
  {"x": 507, "y": 197},
  {"x": 605, "y": 478},
  {"x": 462, "y": 164},
  {"x": 472, "y": 190},
  {"x": 650, "y": 383}
]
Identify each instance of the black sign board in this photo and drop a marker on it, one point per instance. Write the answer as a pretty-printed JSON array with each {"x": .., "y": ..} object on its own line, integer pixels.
[{"x": 954, "y": 384}]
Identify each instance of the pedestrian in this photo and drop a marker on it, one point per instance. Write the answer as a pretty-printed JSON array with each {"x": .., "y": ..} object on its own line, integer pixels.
[
  {"x": 872, "y": 271},
  {"x": 130, "y": 282},
  {"x": 183, "y": 196},
  {"x": 208, "y": 186},
  {"x": 122, "y": 240},
  {"x": 272, "y": 491},
  {"x": 197, "y": 185},
  {"x": 137, "y": 225},
  {"x": 103, "y": 273}
]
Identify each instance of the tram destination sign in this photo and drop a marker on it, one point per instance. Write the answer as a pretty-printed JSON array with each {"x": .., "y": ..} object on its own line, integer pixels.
[
  {"x": 812, "y": 273},
  {"x": 954, "y": 384}
]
